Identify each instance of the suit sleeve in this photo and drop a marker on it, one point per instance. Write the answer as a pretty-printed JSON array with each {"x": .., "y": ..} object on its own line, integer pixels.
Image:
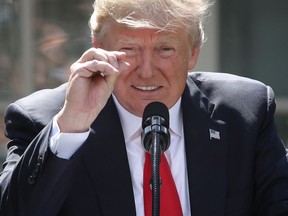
[
  {"x": 271, "y": 167},
  {"x": 28, "y": 166}
]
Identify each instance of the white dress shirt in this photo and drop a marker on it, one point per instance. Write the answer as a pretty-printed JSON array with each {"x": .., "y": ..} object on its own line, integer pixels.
[{"x": 65, "y": 144}]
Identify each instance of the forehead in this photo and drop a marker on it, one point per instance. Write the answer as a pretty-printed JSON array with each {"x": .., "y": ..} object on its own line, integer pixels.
[{"x": 124, "y": 34}]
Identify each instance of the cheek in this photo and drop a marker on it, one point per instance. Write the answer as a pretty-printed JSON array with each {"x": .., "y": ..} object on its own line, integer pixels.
[
  {"x": 120, "y": 82},
  {"x": 178, "y": 67},
  {"x": 132, "y": 62},
  {"x": 178, "y": 74}
]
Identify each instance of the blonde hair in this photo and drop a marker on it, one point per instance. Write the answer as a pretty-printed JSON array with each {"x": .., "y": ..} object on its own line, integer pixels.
[{"x": 164, "y": 15}]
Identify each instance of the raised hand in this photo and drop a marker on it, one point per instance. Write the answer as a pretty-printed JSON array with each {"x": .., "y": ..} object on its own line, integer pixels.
[{"x": 90, "y": 85}]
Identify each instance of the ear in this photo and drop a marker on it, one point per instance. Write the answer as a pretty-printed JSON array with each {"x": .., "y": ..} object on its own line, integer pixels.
[{"x": 193, "y": 57}]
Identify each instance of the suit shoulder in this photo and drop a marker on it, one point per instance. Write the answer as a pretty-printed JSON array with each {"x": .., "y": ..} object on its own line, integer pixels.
[
  {"x": 242, "y": 96},
  {"x": 40, "y": 106},
  {"x": 44, "y": 96},
  {"x": 228, "y": 85}
]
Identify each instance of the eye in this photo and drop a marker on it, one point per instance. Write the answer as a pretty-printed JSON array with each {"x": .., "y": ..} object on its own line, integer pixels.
[
  {"x": 130, "y": 51},
  {"x": 127, "y": 48},
  {"x": 166, "y": 51}
]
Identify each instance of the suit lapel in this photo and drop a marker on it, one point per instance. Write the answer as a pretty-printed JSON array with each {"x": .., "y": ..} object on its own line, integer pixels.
[
  {"x": 106, "y": 158},
  {"x": 206, "y": 153}
]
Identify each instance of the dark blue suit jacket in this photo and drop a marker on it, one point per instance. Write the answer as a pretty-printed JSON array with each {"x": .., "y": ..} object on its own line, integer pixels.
[{"x": 244, "y": 173}]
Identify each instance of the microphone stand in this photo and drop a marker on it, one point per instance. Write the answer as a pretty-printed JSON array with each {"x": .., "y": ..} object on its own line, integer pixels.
[
  {"x": 155, "y": 176},
  {"x": 156, "y": 139}
]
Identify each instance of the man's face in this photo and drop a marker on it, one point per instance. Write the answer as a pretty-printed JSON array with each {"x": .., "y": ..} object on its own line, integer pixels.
[{"x": 159, "y": 64}]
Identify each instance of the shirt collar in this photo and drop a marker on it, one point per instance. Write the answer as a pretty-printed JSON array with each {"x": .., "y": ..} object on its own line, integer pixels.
[
  {"x": 176, "y": 122},
  {"x": 132, "y": 125}
]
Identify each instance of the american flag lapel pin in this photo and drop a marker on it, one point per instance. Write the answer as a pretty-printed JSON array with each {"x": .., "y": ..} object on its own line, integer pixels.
[{"x": 214, "y": 134}]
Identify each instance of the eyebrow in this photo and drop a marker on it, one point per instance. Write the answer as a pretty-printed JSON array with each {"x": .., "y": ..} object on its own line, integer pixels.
[{"x": 127, "y": 40}]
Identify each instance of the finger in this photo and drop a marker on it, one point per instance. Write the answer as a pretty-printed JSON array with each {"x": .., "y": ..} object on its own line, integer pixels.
[
  {"x": 91, "y": 68},
  {"x": 104, "y": 68},
  {"x": 123, "y": 66},
  {"x": 115, "y": 57},
  {"x": 92, "y": 54},
  {"x": 103, "y": 55},
  {"x": 112, "y": 57}
]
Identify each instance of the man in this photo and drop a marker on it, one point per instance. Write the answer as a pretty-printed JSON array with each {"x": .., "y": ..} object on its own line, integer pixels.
[{"x": 76, "y": 149}]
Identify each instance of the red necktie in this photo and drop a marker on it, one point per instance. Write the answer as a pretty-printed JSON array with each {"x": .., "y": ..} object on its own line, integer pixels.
[{"x": 169, "y": 199}]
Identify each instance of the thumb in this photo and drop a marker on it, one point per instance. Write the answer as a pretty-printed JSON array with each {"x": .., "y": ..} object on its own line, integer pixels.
[{"x": 111, "y": 79}]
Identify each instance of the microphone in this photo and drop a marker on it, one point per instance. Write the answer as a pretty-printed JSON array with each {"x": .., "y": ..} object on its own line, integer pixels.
[{"x": 155, "y": 122}]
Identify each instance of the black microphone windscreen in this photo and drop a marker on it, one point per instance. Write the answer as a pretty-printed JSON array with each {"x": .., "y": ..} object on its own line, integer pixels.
[{"x": 156, "y": 109}]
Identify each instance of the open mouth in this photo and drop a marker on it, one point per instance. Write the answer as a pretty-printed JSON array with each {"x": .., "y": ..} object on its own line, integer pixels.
[{"x": 147, "y": 88}]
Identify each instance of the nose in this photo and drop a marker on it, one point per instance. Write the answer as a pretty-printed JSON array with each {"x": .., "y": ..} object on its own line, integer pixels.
[{"x": 146, "y": 65}]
